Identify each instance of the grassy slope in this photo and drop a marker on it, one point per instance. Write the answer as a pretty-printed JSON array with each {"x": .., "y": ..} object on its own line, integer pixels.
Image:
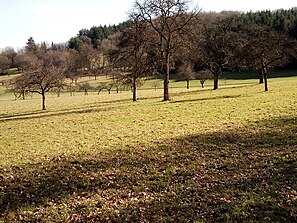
[{"x": 228, "y": 155}]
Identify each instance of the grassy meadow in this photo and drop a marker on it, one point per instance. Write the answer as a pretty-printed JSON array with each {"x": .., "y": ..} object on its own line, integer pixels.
[{"x": 205, "y": 156}]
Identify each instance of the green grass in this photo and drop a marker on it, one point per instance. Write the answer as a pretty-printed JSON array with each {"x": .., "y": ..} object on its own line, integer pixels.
[
  {"x": 254, "y": 75},
  {"x": 206, "y": 156}
]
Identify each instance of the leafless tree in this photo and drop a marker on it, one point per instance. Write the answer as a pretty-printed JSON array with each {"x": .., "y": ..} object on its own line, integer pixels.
[
  {"x": 215, "y": 48},
  {"x": 101, "y": 86},
  {"x": 186, "y": 72},
  {"x": 10, "y": 54},
  {"x": 85, "y": 56},
  {"x": 156, "y": 84},
  {"x": 131, "y": 55},
  {"x": 85, "y": 86},
  {"x": 81, "y": 58},
  {"x": 43, "y": 70},
  {"x": 19, "y": 88},
  {"x": 203, "y": 76},
  {"x": 74, "y": 66},
  {"x": 106, "y": 48},
  {"x": 72, "y": 88},
  {"x": 4, "y": 63},
  {"x": 167, "y": 19},
  {"x": 263, "y": 50}
]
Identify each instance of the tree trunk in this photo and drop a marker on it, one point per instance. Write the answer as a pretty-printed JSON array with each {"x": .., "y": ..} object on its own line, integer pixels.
[
  {"x": 261, "y": 79},
  {"x": 23, "y": 94},
  {"x": 202, "y": 83},
  {"x": 265, "y": 81},
  {"x": 166, "y": 79},
  {"x": 166, "y": 87},
  {"x": 216, "y": 81},
  {"x": 43, "y": 100},
  {"x": 134, "y": 89},
  {"x": 188, "y": 84}
]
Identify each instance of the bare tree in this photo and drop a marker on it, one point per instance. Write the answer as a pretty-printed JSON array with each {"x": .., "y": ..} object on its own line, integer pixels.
[
  {"x": 85, "y": 86},
  {"x": 101, "y": 86},
  {"x": 74, "y": 66},
  {"x": 19, "y": 88},
  {"x": 72, "y": 88},
  {"x": 186, "y": 72},
  {"x": 85, "y": 56},
  {"x": 4, "y": 63},
  {"x": 10, "y": 54},
  {"x": 218, "y": 47},
  {"x": 166, "y": 18},
  {"x": 43, "y": 70},
  {"x": 213, "y": 44},
  {"x": 155, "y": 84},
  {"x": 131, "y": 55},
  {"x": 264, "y": 50},
  {"x": 81, "y": 57},
  {"x": 58, "y": 89},
  {"x": 203, "y": 76}
]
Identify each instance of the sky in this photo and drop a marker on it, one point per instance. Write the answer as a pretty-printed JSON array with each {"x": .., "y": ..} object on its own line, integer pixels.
[{"x": 59, "y": 20}]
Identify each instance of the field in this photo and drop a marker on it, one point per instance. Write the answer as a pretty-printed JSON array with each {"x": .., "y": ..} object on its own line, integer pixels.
[{"x": 206, "y": 156}]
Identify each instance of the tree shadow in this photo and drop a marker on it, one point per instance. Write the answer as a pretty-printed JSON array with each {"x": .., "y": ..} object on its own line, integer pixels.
[
  {"x": 209, "y": 98},
  {"x": 42, "y": 114},
  {"x": 237, "y": 175}
]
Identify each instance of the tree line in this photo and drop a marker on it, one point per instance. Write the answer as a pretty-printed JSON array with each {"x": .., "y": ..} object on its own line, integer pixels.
[
  {"x": 160, "y": 38},
  {"x": 96, "y": 34},
  {"x": 280, "y": 20}
]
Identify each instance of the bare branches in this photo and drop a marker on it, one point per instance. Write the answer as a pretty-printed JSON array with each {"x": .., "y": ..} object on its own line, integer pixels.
[
  {"x": 215, "y": 48},
  {"x": 266, "y": 49},
  {"x": 43, "y": 71},
  {"x": 132, "y": 55},
  {"x": 166, "y": 19}
]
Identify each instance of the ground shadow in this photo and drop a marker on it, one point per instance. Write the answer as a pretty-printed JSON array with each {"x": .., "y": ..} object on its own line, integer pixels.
[
  {"x": 209, "y": 98},
  {"x": 237, "y": 175},
  {"x": 42, "y": 114}
]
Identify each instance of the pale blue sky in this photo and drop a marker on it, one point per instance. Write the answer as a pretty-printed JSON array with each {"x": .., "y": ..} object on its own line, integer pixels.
[{"x": 59, "y": 20}]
